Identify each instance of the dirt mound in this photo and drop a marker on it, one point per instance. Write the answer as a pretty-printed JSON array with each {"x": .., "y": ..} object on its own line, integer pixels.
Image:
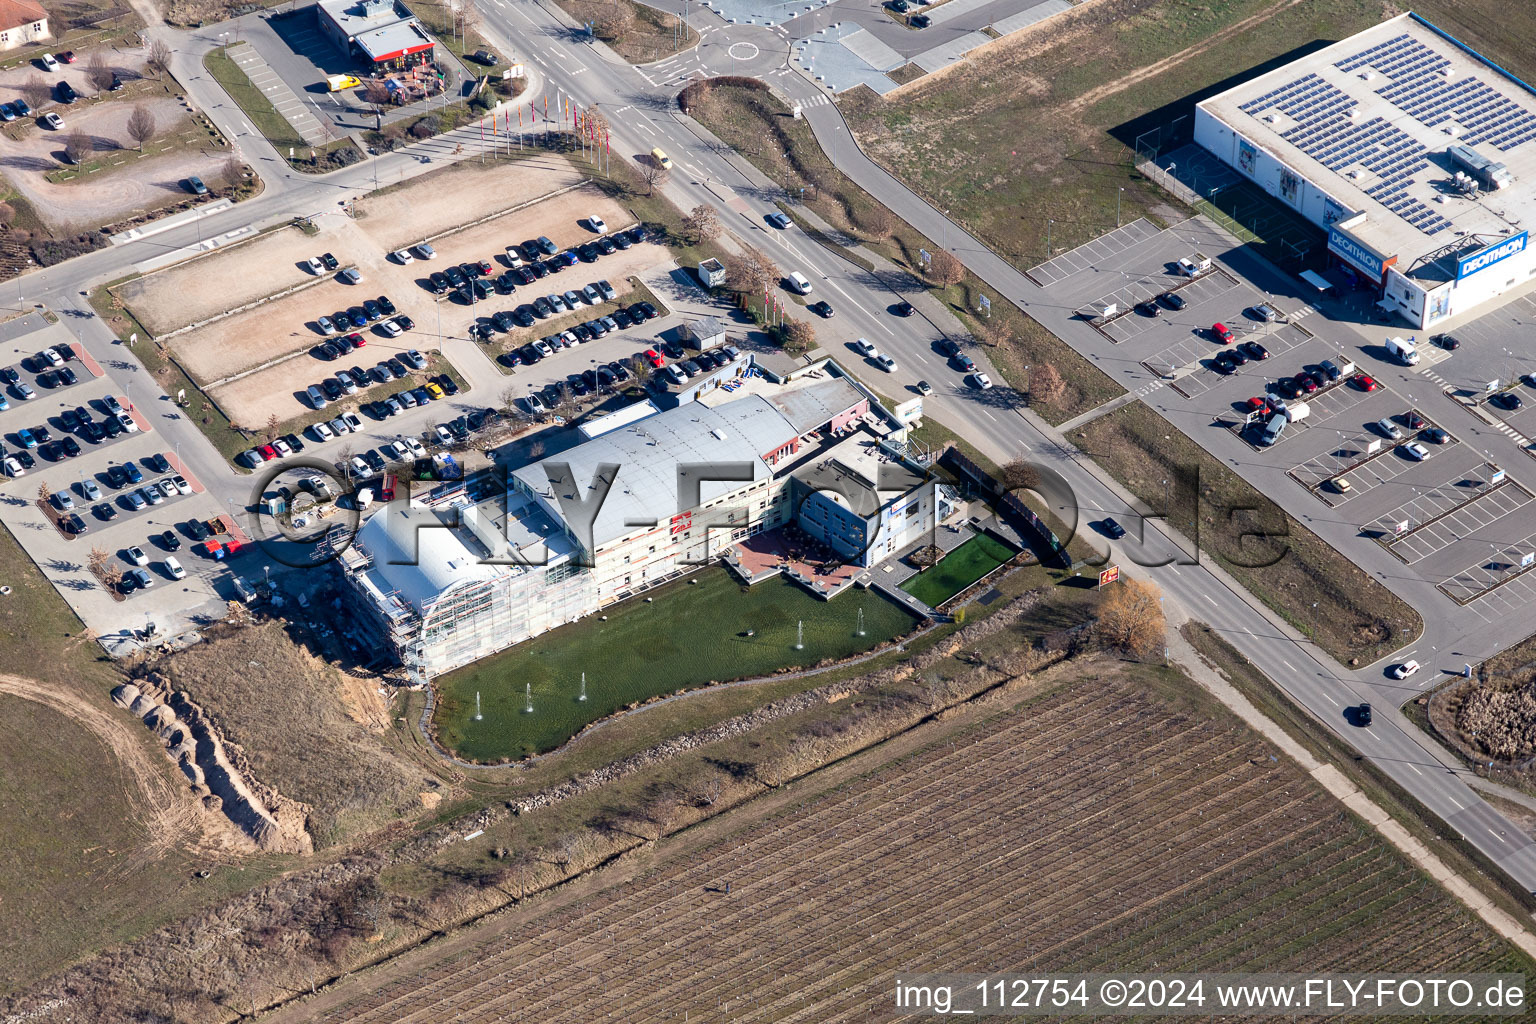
[{"x": 273, "y": 822}]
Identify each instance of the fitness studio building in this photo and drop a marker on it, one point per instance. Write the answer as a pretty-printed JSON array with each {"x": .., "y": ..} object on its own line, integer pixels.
[{"x": 1416, "y": 154}]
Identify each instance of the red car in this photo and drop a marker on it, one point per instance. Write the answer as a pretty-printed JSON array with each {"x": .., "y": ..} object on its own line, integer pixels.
[
  {"x": 652, "y": 358},
  {"x": 1259, "y": 406},
  {"x": 357, "y": 339},
  {"x": 1365, "y": 382},
  {"x": 67, "y": 57},
  {"x": 1222, "y": 334},
  {"x": 1306, "y": 383},
  {"x": 268, "y": 453}
]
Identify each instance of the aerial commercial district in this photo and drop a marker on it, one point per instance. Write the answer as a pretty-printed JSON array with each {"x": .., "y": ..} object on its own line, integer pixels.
[{"x": 584, "y": 510}]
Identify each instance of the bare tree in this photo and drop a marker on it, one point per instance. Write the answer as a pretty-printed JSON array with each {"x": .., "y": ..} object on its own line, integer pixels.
[
  {"x": 1045, "y": 384},
  {"x": 751, "y": 271},
  {"x": 158, "y": 57},
  {"x": 98, "y": 72},
  {"x": 141, "y": 125},
  {"x": 233, "y": 171},
  {"x": 878, "y": 224},
  {"x": 654, "y": 175},
  {"x": 1019, "y": 474},
  {"x": 945, "y": 269},
  {"x": 273, "y": 430},
  {"x": 641, "y": 368},
  {"x": 344, "y": 458},
  {"x": 112, "y": 574},
  {"x": 799, "y": 337},
  {"x": 7, "y": 214},
  {"x": 44, "y": 493},
  {"x": 1131, "y": 617},
  {"x": 98, "y": 561},
  {"x": 376, "y": 95},
  {"x": 703, "y": 223},
  {"x": 78, "y": 146},
  {"x": 36, "y": 91}
]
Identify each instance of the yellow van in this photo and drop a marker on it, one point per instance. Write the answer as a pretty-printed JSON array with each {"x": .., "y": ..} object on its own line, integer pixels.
[{"x": 662, "y": 160}]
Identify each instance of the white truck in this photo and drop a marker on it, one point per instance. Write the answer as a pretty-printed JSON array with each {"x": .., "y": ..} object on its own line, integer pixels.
[
  {"x": 1403, "y": 351},
  {"x": 1285, "y": 412},
  {"x": 1297, "y": 411},
  {"x": 1194, "y": 264}
]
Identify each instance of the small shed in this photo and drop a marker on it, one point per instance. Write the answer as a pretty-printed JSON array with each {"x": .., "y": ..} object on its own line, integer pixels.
[{"x": 708, "y": 332}]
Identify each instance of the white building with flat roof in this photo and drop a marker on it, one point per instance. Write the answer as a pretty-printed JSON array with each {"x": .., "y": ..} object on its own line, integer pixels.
[{"x": 1416, "y": 154}]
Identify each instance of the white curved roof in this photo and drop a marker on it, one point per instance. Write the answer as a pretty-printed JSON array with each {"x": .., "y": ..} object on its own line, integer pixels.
[{"x": 415, "y": 555}]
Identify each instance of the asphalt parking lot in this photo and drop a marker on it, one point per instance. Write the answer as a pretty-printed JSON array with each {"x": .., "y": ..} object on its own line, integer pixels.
[
  {"x": 64, "y": 558},
  {"x": 1441, "y": 518}
]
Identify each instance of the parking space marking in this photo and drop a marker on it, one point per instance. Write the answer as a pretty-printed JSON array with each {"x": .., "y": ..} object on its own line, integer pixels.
[
  {"x": 1501, "y": 569},
  {"x": 1076, "y": 260},
  {"x": 1456, "y": 521}
]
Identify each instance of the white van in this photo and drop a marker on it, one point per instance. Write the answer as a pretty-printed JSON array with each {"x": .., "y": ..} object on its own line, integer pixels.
[
  {"x": 798, "y": 283},
  {"x": 174, "y": 569}
]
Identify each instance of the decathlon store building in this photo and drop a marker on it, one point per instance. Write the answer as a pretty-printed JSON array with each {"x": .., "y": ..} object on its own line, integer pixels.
[{"x": 1416, "y": 155}]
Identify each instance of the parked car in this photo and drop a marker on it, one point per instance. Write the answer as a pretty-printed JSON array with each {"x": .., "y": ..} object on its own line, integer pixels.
[{"x": 1221, "y": 334}]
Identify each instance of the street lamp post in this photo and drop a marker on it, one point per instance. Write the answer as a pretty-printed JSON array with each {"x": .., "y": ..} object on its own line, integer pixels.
[{"x": 1118, "y": 196}]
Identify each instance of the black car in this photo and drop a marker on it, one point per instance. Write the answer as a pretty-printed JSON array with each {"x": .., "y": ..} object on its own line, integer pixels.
[
  {"x": 547, "y": 247},
  {"x": 70, "y": 419},
  {"x": 529, "y": 354},
  {"x": 170, "y": 541},
  {"x": 622, "y": 318},
  {"x": 1254, "y": 350},
  {"x": 327, "y": 351},
  {"x": 823, "y": 309},
  {"x": 523, "y": 316},
  {"x": 523, "y": 275},
  {"x": 605, "y": 376},
  {"x": 502, "y": 321},
  {"x": 105, "y": 511},
  {"x": 904, "y": 309},
  {"x": 158, "y": 463},
  {"x": 374, "y": 459},
  {"x": 397, "y": 368},
  {"x": 538, "y": 270},
  {"x": 583, "y": 332},
  {"x": 1448, "y": 343},
  {"x": 1363, "y": 714},
  {"x": 70, "y": 445},
  {"x": 649, "y": 310},
  {"x": 1508, "y": 400},
  {"x": 621, "y": 240},
  {"x": 542, "y": 309},
  {"x": 405, "y": 322},
  {"x": 384, "y": 304},
  {"x": 1148, "y": 308},
  {"x": 577, "y": 385},
  {"x": 919, "y": 21},
  {"x": 1223, "y": 365},
  {"x": 553, "y": 265},
  {"x": 474, "y": 270},
  {"x": 9, "y": 375},
  {"x": 1173, "y": 300},
  {"x": 295, "y": 442},
  {"x": 358, "y": 316},
  {"x": 438, "y": 282},
  {"x": 67, "y": 93},
  {"x": 345, "y": 345},
  {"x": 455, "y": 276},
  {"x": 331, "y": 262},
  {"x": 598, "y": 327},
  {"x": 636, "y": 233},
  {"x": 446, "y": 383},
  {"x": 372, "y": 311},
  {"x": 588, "y": 252},
  {"x": 1237, "y": 357},
  {"x": 332, "y": 389},
  {"x": 604, "y": 245},
  {"x": 93, "y": 432},
  {"x": 948, "y": 347},
  {"x": 504, "y": 283},
  {"x": 197, "y": 529},
  {"x": 1114, "y": 529},
  {"x": 67, "y": 376},
  {"x": 117, "y": 476}
]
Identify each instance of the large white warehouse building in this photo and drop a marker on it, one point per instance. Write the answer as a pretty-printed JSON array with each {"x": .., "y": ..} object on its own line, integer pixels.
[{"x": 1416, "y": 154}]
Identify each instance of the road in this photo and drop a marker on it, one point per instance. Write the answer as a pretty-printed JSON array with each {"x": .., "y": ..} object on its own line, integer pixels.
[{"x": 643, "y": 117}]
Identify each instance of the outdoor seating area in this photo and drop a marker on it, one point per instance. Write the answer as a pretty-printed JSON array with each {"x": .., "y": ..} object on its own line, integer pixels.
[{"x": 789, "y": 552}]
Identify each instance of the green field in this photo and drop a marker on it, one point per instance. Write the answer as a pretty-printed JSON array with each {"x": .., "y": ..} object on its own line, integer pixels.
[
  {"x": 692, "y": 634},
  {"x": 959, "y": 569}
]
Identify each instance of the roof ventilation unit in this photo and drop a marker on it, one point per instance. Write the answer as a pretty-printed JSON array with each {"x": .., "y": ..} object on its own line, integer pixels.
[{"x": 1490, "y": 174}]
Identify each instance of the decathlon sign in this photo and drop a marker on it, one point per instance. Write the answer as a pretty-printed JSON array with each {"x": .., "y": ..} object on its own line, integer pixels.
[
  {"x": 1358, "y": 253},
  {"x": 1485, "y": 258}
]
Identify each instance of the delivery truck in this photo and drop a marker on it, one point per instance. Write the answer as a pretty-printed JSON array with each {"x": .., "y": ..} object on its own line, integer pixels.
[{"x": 1404, "y": 352}]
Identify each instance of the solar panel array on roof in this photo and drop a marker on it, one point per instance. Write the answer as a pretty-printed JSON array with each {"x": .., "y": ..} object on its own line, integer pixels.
[
  {"x": 1417, "y": 88},
  {"x": 1399, "y": 57},
  {"x": 1308, "y": 99}
]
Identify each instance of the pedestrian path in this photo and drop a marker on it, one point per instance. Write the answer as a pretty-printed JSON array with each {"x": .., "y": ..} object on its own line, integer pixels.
[{"x": 277, "y": 92}]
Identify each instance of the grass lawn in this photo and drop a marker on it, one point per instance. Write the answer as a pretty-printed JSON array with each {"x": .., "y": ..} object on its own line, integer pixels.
[
  {"x": 693, "y": 634},
  {"x": 1285, "y": 565},
  {"x": 654, "y": 35},
  {"x": 761, "y": 128},
  {"x": 959, "y": 569},
  {"x": 268, "y": 121}
]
